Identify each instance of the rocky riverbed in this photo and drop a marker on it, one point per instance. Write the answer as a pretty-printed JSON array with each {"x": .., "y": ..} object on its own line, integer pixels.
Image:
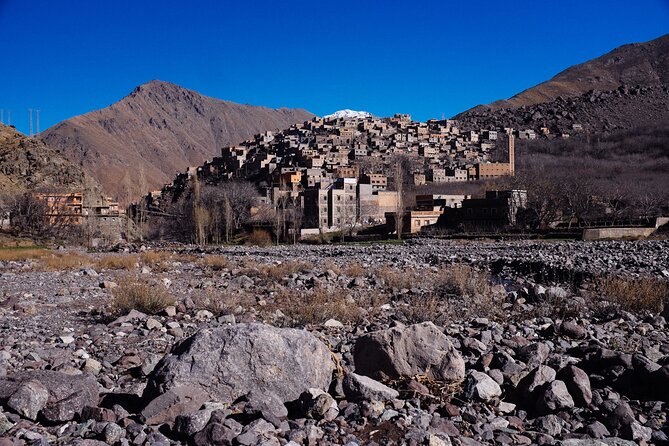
[{"x": 425, "y": 343}]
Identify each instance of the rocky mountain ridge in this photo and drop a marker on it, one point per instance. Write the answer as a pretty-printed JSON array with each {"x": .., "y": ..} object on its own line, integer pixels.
[
  {"x": 27, "y": 164},
  {"x": 624, "y": 108}
]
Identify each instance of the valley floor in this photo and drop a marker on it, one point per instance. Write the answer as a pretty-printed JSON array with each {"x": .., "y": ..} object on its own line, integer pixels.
[{"x": 433, "y": 342}]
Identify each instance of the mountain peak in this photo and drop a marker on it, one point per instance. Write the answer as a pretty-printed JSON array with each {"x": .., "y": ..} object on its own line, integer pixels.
[
  {"x": 348, "y": 114},
  {"x": 159, "y": 130}
]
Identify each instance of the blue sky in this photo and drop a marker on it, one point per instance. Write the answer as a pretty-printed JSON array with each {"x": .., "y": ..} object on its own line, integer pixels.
[{"x": 427, "y": 58}]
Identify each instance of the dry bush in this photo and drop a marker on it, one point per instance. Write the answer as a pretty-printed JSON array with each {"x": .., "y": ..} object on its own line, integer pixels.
[
  {"x": 354, "y": 270},
  {"x": 424, "y": 308},
  {"x": 156, "y": 260},
  {"x": 221, "y": 302},
  {"x": 316, "y": 306},
  {"x": 16, "y": 255},
  {"x": 468, "y": 293},
  {"x": 259, "y": 237},
  {"x": 281, "y": 270},
  {"x": 64, "y": 261},
  {"x": 331, "y": 266},
  {"x": 462, "y": 280},
  {"x": 137, "y": 294},
  {"x": 634, "y": 294},
  {"x": 117, "y": 261},
  {"x": 216, "y": 263},
  {"x": 153, "y": 257},
  {"x": 395, "y": 278},
  {"x": 185, "y": 258}
]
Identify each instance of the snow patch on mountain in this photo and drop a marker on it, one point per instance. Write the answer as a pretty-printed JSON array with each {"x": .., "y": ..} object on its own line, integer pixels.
[{"x": 349, "y": 114}]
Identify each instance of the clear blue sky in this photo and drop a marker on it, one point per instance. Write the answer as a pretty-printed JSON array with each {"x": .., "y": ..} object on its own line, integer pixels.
[{"x": 67, "y": 57}]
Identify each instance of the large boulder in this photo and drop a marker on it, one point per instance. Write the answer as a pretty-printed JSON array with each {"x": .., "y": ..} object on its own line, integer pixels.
[
  {"x": 56, "y": 396},
  {"x": 420, "y": 349},
  {"x": 226, "y": 363}
]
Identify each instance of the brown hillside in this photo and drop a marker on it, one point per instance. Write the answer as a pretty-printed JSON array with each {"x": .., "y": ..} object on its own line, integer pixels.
[
  {"x": 142, "y": 141},
  {"x": 643, "y": 64}
]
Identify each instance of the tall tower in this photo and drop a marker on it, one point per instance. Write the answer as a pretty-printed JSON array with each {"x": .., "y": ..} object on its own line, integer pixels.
[
  {"x": 512, "y": 155},
  {"x": 30, "y": 110}
]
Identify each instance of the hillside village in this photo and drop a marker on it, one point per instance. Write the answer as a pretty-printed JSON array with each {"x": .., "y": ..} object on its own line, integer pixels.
[{"x": 343, "y": 171}]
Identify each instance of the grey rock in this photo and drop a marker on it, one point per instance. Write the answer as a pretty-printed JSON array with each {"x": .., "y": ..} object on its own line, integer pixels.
[
  {"x": 409, "y": 351},
  {"x": 534, "y": 354},
  {"x": 597, "y": 430},
  {"x": 5, "y": 424},
  {"x": 536, "y": 378},
  {"x": 229, "y": 362},
  {"x": 622, "y": 416},
  {"x": 482, "y": 387},
  {"x": 578, "y": 384},
  {"x": 637, "y": 432},
  {"x": 113, "y": 433},
  {"x": 177, "y": 401},
  {"x": 29, "y": 399},
  {"x": 68, "y": 394},
  {"x": 549, "y": 424},
  {"x": 555, "y": 397},
  {"x": 318, "y": 405},
  {"x": 359, "y": 388},
  {"x": 597, "y": 442}
]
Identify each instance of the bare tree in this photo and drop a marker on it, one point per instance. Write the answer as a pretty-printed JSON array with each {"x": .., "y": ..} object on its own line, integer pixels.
[
  {"x": 29, "y": 215},
  {"x": 398, "y": 181}
]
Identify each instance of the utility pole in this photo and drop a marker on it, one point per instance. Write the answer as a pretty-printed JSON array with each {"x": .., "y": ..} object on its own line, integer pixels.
[
  {"x": 9, "y": 117},
  {"x": 2, "y": 115},
  {"x": 30, "y": 111},
  {"x": 37, "y": 112}
]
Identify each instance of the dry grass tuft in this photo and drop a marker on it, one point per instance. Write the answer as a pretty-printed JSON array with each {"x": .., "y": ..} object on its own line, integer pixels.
[
  {"x": 276, "y": 272},
  {"x": 354, "y": 270},
  {"x": 136, "y": 294},
  {"x": 331, "y": 266},
  {"x": 64, "y": 261},
  {"x": 423, "y": 309},
  {"x": 468, "y": 293},
  {"x": 463, "y": 280},
  {"x": 117, "y": 261},
  {"x": 634, "y": 294},
  {"x": 216, "y": 263},
  {"x": 221, "y": 302},
  {"x": 316, "y": 306},
  {"x": 259, "y": 237},
  {"x": 156, "y": 260},
  {"x": 394, "y": 278},
  {"x": 17, "y": 255}
]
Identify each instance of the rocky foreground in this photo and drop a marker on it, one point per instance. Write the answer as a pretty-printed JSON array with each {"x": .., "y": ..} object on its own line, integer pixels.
[{"x": 429, "y": 343}]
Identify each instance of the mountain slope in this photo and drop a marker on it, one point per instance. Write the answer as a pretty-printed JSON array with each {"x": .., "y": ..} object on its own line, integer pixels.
[
  {"x": 142, "y": 141},
  {"x": 644, "y": 64},
  {"x": 27, "y": 164}
]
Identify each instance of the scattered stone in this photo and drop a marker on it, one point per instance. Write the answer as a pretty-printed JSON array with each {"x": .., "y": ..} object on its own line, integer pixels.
[
  {"x": 555, "y": 397},
  {"x": 481, "y": 386},
  {"x": 281, "y": 362},
  {"x": 409, "y": 351},
  {"x": 362, "y": 388}
]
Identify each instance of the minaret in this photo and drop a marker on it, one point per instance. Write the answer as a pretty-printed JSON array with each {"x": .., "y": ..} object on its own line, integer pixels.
[{"x": 512, "y": 155}]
